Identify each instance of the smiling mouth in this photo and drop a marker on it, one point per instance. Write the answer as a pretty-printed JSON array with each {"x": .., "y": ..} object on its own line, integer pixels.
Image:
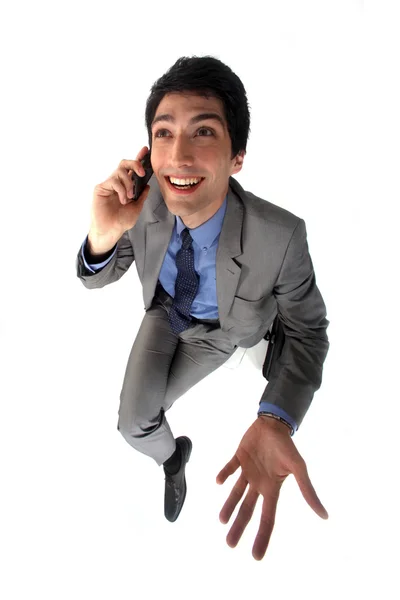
[{"x": 185, "y": 187}]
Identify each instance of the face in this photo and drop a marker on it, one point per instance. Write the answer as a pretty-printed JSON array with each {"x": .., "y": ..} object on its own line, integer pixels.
[{"x": 188, "y": 145}]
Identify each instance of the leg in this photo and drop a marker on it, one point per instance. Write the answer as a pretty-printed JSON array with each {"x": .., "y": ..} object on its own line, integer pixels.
[
  {"x": 202, "y": 350},
  {"x": 161, "y": 368},
  {"x": 141, "y": 409}
]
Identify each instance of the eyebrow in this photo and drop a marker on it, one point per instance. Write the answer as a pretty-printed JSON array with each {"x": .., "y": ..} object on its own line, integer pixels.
[{"x": 193, "y": 120}]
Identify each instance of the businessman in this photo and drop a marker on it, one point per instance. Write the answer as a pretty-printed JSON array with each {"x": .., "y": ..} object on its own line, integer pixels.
[{"x": 217, "y": 264}]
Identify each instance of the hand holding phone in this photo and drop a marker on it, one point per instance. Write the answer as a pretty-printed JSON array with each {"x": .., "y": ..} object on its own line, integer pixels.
[{"x": 113, "y": 210}]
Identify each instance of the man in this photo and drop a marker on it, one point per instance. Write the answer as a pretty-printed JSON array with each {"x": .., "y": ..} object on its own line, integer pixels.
[{"x": 217, "y": 264}]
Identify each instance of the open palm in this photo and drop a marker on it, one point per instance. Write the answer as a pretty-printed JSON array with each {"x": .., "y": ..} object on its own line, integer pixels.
[{"x": 266, "y": 455}]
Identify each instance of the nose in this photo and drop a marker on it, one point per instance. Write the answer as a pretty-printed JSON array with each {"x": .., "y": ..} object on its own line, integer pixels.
[{"x": 181, "y": 153}]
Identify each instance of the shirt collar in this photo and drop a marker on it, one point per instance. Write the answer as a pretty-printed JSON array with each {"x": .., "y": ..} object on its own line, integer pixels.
[{"x": 204, "y": 234}]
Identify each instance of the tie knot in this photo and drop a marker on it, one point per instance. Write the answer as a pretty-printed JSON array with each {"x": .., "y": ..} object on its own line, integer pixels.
[{"x": 186, "y": 239}]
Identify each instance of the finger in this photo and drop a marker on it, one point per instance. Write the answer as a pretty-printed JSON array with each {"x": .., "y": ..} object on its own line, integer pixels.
[
  {"x": 123, "y": 188},
  {"x": 307, "y": 489},
  {"x": 229, "y": 468},
  {"x": 266, "y": 527},
  {"x": 130, "y": 164},
  {"x": 242, "y": 519},
  {"x": 234, "y": 497},
  {"x": 124, "y": 173},
  {"x": 141, "y": 199},
  {"x": 115, "y": 184},
  {"x": 127, "y": 163},
  {"x": 142, "y": 153}
]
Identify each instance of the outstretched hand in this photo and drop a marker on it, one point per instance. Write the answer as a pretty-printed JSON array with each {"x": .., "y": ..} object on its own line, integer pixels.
[{"x": 267, "y": 455}]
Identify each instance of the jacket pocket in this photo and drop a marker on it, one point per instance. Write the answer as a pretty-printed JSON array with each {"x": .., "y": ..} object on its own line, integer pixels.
[{"x": 246, "y": 310}]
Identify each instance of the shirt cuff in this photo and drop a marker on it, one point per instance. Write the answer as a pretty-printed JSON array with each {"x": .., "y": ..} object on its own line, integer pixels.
[
  {"x": 276, "y": 410},
  {"x": 97, "y": 266}
]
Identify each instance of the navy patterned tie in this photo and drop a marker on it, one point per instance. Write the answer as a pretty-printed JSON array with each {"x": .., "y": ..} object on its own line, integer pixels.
[{"x": 186, "y": 286}]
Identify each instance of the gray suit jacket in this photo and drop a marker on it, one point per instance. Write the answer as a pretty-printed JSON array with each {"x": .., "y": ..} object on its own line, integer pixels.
[{"x": 263, "y": 268}]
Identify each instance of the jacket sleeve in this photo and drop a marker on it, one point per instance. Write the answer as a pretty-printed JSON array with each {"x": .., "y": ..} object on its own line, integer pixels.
[
  {"x": 297, "y": 373},
  {"x": 112, "y": 271}
]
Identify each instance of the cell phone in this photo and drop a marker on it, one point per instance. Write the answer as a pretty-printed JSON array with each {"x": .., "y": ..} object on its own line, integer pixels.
[{"x": 141, "y": 182}]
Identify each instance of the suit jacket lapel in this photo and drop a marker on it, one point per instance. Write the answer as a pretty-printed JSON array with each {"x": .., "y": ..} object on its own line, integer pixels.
[{"x": 229, "y": 247}]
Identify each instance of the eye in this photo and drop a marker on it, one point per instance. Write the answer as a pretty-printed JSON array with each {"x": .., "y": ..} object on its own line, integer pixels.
[
  {"x": 206, "y": 129},
  {"x": 160, "y": 131}
]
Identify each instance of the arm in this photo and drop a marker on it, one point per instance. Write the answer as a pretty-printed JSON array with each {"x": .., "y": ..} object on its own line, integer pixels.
[
  {"x": 297, "y": 373},
  {"x": 118, "y": 263},
  {"x": 266, "y": 453}
]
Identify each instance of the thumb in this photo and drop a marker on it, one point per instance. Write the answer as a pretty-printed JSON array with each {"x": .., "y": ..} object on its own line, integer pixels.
[
  {"x": 308, "y": 491},
  {"x": 228, "y": 470}
]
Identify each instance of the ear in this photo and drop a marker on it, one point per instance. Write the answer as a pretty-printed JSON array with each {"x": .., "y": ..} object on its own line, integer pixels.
[{"x": 237, "y": 162}]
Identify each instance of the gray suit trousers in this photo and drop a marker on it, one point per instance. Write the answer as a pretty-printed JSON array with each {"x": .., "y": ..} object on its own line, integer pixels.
[{"x": 161, "y": 367}]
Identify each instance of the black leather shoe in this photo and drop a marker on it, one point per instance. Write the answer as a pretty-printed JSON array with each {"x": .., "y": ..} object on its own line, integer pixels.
[{"x": 175, "y": 485}]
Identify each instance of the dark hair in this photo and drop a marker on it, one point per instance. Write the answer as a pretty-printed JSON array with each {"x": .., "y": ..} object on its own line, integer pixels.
[{"x": 206, "y": 76}]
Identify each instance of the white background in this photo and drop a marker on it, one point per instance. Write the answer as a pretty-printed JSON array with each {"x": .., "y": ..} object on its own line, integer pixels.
[{"x": 82, "y": 512}]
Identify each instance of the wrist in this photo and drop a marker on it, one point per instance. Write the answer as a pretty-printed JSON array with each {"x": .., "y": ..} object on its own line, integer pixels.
[
  {"x": 99, "y": 248},
  {"x": 275, "y": 421}
]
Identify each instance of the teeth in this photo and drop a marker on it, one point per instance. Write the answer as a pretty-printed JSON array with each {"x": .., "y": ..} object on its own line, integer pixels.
[{"x": 185, "y": 181}]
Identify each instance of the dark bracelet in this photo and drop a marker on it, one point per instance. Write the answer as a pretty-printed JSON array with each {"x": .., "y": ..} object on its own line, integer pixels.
[{"x": 274, "y": 416}]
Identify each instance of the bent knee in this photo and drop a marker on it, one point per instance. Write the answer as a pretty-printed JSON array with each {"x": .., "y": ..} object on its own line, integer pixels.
[{"x": 137, "y": 424}]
